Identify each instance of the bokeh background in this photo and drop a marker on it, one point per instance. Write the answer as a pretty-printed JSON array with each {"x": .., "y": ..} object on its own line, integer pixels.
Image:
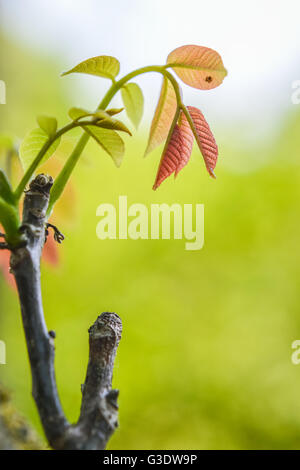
[{"x": 205, "y": 359}]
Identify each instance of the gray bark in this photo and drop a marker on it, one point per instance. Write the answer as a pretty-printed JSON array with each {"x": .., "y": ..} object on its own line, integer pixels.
[{"x": 98, "y": 417}]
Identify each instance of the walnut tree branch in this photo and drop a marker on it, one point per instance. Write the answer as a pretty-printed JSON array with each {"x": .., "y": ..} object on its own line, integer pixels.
[{"x": 98, "y": 417}]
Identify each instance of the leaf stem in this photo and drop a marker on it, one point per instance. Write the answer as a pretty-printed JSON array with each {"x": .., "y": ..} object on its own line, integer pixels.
[
  {"x": 151, "y": 68},
  {"x": 67, "y": 170}
]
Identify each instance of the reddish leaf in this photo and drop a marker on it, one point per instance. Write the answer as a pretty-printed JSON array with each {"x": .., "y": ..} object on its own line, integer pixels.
[
  {"x": 187, "y": 138},
  {"x": 4, "y": 267},
  {"x": 205, "y": 139},
  {"x": 197, "y": 66},
  {"x": 50, "y": 251},
  {"x": 50, "y": 255},
  {"x": 171, "y": 158}
]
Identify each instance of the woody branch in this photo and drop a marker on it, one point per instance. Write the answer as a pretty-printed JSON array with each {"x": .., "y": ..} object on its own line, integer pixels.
[{"x": 99, "y": 411}]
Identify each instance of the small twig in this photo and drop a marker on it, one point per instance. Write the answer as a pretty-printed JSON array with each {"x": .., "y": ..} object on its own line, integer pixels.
[
  {"x": 58, "y": 236},
  {"x": 98, "y": 417},
  {"x": 99, "y": 408}
]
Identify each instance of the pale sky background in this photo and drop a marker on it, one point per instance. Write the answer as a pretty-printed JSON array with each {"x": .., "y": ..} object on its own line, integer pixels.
[{"x": 259, "y": 42}]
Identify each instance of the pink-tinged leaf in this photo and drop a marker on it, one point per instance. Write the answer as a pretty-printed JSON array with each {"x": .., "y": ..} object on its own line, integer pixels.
[
  {"x": 187, "y": 140},
  {"x": 163, "y": 117},
  {"x": 50, "y": 255},
  {"x": 50, "y": 251},
  {"x": 205, "y": 139},
  {"x": 171, "y": 158},
  {"x": 4, "y": 267},
  {"x": 197, "y": 66}
]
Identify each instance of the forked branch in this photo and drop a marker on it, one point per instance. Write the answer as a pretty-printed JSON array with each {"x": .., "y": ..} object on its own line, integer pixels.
[{"x": 98, "y": 417}]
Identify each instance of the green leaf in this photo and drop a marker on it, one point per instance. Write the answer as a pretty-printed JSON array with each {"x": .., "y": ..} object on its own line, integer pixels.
[
  {"x": 110, "y": 141},
  {"x": 100, "y": 114},
  {"x": 78, "y": 113},
  {"x": 114, "y": 111},
  {"x": 103, "y": 119},
  {"x": 6, "y": 191},
  {"x": 31, "y": 146},
  {"x": 134, "y": 102},
  {"x": 47, "y": 124},
  {"x": 113, "y": 124},
  {"x": 102, "y": 66},
  {"x": 9, "y": 218}
]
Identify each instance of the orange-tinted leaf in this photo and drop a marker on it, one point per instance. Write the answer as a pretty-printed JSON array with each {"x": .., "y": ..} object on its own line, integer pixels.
[
  {"x": 187, "y": 138},
  {"x": 197, "y": 66},
  {"x": 170, "y": 159},
  {"x": 50, "y": 251},
  {"x": 163, "y": 117},
  {"x": 50, "y": 255},
  {"x": 205, "y": 139},
  {"x": 4, "y": 267}
]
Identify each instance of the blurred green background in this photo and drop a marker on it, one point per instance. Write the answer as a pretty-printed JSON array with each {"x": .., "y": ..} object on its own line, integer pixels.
[{"x": 205, "y": 358}]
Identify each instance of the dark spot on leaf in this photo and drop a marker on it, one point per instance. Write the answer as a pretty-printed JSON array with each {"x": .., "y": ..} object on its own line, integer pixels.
[{"x": 208, "y": 79}]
